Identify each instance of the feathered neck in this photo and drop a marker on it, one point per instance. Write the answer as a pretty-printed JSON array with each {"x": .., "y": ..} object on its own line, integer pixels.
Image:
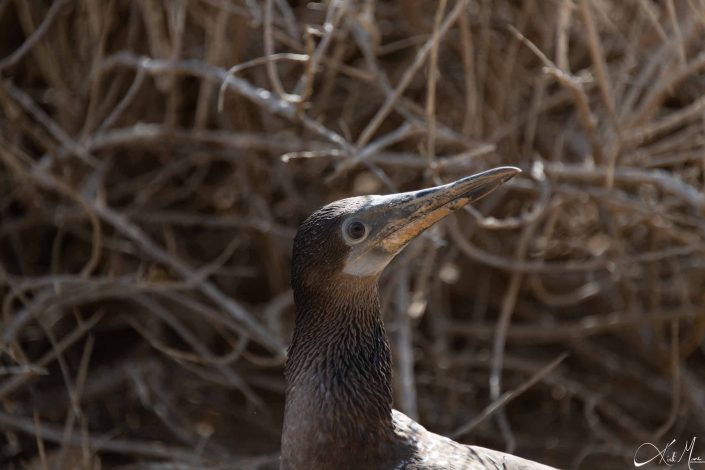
[{"x": 339, "y": 395}]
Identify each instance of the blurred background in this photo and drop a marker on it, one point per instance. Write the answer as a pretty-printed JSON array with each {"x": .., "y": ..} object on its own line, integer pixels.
[{"x": 157, "y": 156}]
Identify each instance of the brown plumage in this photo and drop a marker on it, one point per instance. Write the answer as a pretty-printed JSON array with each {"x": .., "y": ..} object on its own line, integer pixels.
[{"x": 339, "y": 398}]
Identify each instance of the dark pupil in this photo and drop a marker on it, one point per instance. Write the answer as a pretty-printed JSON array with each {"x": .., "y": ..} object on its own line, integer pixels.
[{"x": 356, "y": 230}]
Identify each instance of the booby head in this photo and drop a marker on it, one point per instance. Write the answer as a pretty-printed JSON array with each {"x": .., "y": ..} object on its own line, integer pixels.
[{"x": 357, "y": 237}]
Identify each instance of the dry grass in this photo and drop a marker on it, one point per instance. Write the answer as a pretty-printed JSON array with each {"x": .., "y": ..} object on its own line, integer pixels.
[{"x": 145, "y": 234}]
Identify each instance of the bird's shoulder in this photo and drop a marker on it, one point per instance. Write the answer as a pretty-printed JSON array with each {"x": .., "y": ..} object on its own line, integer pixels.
[{"x": 432, "y": 451}]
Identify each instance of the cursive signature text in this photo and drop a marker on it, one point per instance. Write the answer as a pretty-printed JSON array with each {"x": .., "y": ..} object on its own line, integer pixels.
[{"x": 671, "y": 454}]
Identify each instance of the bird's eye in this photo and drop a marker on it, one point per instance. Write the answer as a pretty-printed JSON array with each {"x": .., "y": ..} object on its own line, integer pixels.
[{"x": 355, "y": 231}]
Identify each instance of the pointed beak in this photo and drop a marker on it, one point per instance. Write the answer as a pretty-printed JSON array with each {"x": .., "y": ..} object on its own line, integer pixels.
[
  {"x": 396, "y": 219},
  {"x": 406, "y": 215}
]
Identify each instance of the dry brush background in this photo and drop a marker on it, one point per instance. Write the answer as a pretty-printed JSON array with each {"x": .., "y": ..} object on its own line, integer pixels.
[{"x": 148, "y": 199}]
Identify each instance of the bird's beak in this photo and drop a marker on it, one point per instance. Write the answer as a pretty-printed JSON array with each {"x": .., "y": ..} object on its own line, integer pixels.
[
  {"x": 411, "y": 213},
  {"x": 396, "y": 219}
]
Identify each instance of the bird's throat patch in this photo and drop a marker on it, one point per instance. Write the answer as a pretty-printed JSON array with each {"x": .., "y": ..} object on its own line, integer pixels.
[{"x": 369, "y": 263}]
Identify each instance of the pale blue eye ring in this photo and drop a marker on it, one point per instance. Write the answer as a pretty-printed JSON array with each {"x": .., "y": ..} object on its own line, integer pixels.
[{"x": 355, "y": 231}]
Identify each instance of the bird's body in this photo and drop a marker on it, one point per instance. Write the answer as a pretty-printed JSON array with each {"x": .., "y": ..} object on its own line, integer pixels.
[{"x": 339, "y": 411}]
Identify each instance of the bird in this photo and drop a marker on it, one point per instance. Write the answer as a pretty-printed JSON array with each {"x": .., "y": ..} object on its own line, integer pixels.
[{"x": 338, "y": 410}]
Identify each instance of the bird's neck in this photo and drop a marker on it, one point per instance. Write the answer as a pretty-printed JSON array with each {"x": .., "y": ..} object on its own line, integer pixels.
[{"x": 338, "y": 372}]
